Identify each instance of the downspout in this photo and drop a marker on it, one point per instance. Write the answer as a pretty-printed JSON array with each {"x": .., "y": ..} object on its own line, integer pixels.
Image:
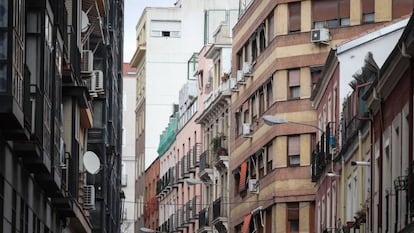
[{"x": 410, "y": 139}]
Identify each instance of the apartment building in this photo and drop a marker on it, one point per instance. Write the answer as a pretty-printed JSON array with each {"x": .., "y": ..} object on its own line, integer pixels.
[
  {"x": 168, "y": 40},
  {"x": 279, "y": 49},
  {"x": 53, "y": 118},
  {"x": 216, "y": 86},
  {"x": 128, "y": 177}
]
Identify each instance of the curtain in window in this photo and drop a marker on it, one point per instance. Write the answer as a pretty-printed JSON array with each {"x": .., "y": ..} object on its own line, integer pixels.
[{"x": 243, "y": 176}]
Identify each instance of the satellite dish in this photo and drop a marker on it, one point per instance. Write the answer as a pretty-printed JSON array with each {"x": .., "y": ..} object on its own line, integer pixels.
[
  {"x": 91, "y": 162},
  {"x": 84, "y": 21}
]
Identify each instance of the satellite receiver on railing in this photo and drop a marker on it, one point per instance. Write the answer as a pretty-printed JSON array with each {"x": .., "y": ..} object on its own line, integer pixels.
[
  {"x": 91, "y": 162},
  {"x": 84, "y": 22}
]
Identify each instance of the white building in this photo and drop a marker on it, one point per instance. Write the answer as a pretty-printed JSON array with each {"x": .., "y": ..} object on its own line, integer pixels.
[{"x": 128, "y": 149}]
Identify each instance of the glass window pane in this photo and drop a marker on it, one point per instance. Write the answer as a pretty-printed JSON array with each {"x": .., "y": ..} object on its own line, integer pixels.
[
  {"x": 3, "y": 13},
  {"x": 3, "y": 45},
  {"x": 3, "y": 77}
]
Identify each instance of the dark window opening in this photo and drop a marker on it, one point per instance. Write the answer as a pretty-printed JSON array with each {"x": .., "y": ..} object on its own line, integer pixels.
[{"x": 165, "y": 33}]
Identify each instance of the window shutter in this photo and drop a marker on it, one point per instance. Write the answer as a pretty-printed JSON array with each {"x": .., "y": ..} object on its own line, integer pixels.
[
  {"x": 323, "y": 10},
  {"x": 344, "y": 9},
  {"x": 368, "y": 6},
  {"x": 294, "y": 78},
  {"x": 294, "y": 146},
  {"x": 294, "y": 16}
]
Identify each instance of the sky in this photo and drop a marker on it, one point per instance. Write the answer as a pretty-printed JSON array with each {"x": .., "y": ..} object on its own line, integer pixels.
[{"x": 133, "y": 10}]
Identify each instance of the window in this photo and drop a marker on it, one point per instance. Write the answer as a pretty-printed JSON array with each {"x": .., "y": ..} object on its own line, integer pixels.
[
  {"x": 292, "y": 217},
  {"x": 330, "y": 13},
  {"x": 294, "y": 17},
  {"x": 260, "y": 163},
  {"x": 294, "y": 83},
  {"x": 268, "y": 220},
  {"x": 269, "y": 157},
  {"x": 252, "y": 167},
  {"x": 293, "y": 150},
  {"x": 262, "y": 38},
  {"x": 261, "y": 102},
  {"x": 271, "y": 26},
  {"x": 269, "y": 93},
  {"x": 368, "y": 9},
  {"x": 254, "y": 47},
  {"x": 239, "y": 123},
  {"x": 254, "y": 107},
  {"x": 315, "y": 74},
  {"x": 165, "y": 28}
]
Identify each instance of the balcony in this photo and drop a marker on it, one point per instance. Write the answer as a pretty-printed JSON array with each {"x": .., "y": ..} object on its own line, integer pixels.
[
  {"x": 184, "y": 167},
  {"x": 12, "y": 90},
  {"x": 220, "y": 215},
  {"x": 206, "y": 171},
  {"x": 204, "y": 225},
  {"x": 318, "y": 163},
  {"x": 221, "y": 161},
  {"x": 70, "y": 208},
  {"x": 195, "y": 207},
  {"x": 196, "y": 154}
]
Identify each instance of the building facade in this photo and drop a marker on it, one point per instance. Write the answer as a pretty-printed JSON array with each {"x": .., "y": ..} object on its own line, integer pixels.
[
  {"x": 216, "y": 86},
  {"x": 278, "y": 48},
  {"x": 128, "y": 177},
  {"x": 391, "y": 104},
  {"x": 151, "y": 207},
  {"x": 50, "y": 112}
]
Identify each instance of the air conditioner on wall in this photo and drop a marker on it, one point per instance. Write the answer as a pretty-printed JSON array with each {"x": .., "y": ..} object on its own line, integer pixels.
[
  {"x": 320, "y": 35},
  {"x": 253, "y": 186},
  {"x": 246, "y": 130},
  {"x": 87, "y": 62},
  {"x": 247, "y": 68},
  {"x": 240, "y": 77},
  {"x": 89, "y": 197},
  {"x": 99, "y": 80}
]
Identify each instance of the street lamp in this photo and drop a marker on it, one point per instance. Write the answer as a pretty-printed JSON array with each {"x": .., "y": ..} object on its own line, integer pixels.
[
  {"x": 191, "y": 181},
  {"x": 148, "y": 230},
  {"x": 272, "y": 120}
]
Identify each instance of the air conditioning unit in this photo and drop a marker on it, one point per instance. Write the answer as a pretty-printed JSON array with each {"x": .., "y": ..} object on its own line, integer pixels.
[
  {"x": 320, "y": 35},
  {"x": 99, "y": 80},
  {"x": 87, "y": 62},
  {"x": 246, "y": 130},
  {"x": 89, "y": 197},
  {"x": 253, "y": 186},
  {"x": 247, "y": 68},
  {"x": 240, "y": 77}
]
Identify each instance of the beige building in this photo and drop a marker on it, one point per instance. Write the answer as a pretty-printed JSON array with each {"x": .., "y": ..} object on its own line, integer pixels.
[{"x": 278, "y": 50}]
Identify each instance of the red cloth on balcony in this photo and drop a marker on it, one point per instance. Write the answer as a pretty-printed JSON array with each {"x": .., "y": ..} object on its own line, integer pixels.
[
  {"x": 243, "y": 177},
  {"x": 246, "y": 223}
]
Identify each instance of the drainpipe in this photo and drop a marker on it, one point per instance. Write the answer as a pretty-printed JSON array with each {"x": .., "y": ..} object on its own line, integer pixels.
[{"x": 410, "y": 139}]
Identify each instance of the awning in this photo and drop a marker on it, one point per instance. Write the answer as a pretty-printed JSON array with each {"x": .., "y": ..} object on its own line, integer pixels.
[{"x": 246, "y": 223}]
